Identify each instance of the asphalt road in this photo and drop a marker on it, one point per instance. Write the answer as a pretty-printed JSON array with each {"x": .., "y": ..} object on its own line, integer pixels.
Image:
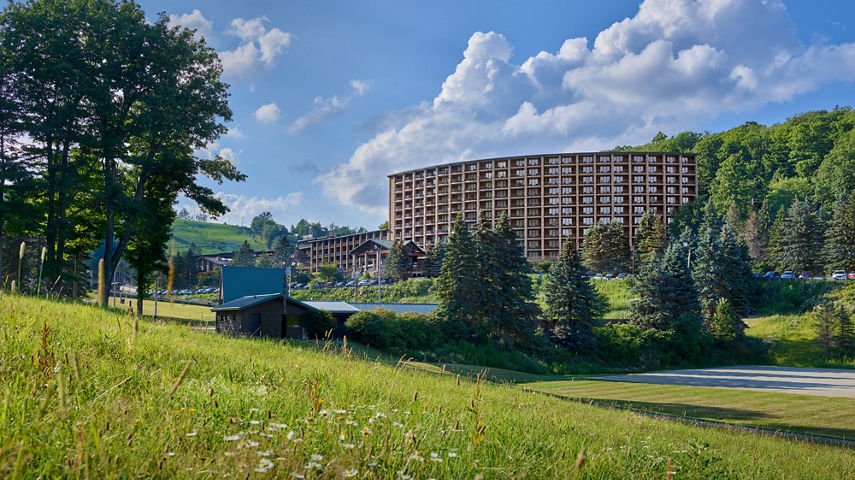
[{"x": 825, "y": 382}]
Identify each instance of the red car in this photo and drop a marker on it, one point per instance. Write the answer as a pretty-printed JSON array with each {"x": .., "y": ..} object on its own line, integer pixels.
[
  {"x": 851, "y": 276},
  {"x": 805, "y": 275}
]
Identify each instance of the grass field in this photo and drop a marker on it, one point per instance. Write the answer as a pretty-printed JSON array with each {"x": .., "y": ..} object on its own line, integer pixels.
[
  {"x": 212, "y": 237},
  {"x": 84, "y": 395},
  {"x": 180, "y": 311}
]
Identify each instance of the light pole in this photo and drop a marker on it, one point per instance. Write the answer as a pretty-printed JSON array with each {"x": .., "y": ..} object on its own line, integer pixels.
[
  {"x": 688, "y": 256},
  {"x": 379, "y": 275}
]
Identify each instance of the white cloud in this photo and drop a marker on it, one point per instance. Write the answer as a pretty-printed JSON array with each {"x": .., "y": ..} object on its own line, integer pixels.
[
  {"x": 267, "y": 113},
  {"x": 329, "y": 107},
  {"x": 258, "y": 50},
  {"x": 674, "y": 65},
  {"x": 194, "y": 21},
  {"x": 230, "y": 155},
  {"x": 243, "y": 208},
  {"x": 234, "y": 133}
]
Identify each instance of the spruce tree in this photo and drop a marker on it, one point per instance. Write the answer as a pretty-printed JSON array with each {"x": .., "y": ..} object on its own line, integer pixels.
[
  {"x": 605, "y": 248},
  {"x": 458, "y": 286},
  {"x": 656, "y": 292},
  {"x": 708, "y": 273},
  {"x": 675, "y": 264},
  {"x": 802, "y": 238},
  {"x": 486, "y": 245},
  {"x": 776, "y": 239},
  {"x": 244, "y": 257},
  {"x": 650, "y": 239},
  {"x": 839, "y": 248},
  {"x": 433, "y": 259},
  {"x": 736, "y": 272},
  {"x": 398, "y": 263},
  {"x": 826, "y": 326},
  {"x": 726, "y": 325},
  {"x": 756, "y": 235},
  {"x": 572, "y": 304},
  {"x": 513, "y": 307},
  {"x": 711, "y": 220}
]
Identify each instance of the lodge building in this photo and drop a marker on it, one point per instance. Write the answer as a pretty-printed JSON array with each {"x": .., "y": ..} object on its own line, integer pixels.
[{"x": 547, "y": 197}]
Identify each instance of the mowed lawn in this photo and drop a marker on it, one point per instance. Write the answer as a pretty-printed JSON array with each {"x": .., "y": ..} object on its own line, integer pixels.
[
  {"x": 179, "y": 311},
  {"x": 826, "y": 416},
  {"x": 85, "y": 394}
]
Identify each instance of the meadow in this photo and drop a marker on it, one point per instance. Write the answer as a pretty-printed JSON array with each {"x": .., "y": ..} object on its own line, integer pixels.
[{"x": 89, "y": 393}]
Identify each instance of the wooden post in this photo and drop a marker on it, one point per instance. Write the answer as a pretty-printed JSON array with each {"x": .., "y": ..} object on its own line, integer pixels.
[{"x": 101, "y": 281}]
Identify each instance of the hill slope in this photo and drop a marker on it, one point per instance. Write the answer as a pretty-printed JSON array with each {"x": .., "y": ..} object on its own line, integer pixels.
[
  {"x": 212, "y": 237},
  {"x": 87, "y": 396}
]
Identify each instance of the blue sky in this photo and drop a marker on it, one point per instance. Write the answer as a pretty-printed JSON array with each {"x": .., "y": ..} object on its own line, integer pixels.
[{"x": 330, "y": 97}]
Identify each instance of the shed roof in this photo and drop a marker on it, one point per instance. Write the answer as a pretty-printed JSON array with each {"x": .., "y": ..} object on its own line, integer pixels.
[
  {"x": 333, "y": 307},
  {"x": 243, "y": 303},
  {"x": 424, "y": 308}
]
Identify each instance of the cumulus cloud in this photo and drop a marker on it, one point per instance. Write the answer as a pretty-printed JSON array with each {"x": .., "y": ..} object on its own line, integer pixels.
[
  {"x": 267, "y": 113},
  {"x": 672, "y": 66},
  {"x": 329, "y": 107},
  {"x": 258, "y": 50},
  {"x": 235, "y": 133},
  {"x": 243, "y": 208},
  {"x": 194, "y": 21}
]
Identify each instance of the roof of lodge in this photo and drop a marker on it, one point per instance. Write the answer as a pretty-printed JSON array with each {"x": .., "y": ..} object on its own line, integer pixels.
[
  {"x": 399, "y": 307},
  {"x": 333, "y": 307},
  {"x": 335, "y": 237},
  {"x": 463, "y": 162},
  {"x": 243, "y": 303}
]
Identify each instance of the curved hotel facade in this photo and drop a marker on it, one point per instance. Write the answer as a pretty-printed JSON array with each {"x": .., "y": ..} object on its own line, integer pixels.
[{"x": 547, "y": 197}]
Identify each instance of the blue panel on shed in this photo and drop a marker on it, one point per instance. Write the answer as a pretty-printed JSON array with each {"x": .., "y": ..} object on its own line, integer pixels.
[{"x": 244, "y": 281}]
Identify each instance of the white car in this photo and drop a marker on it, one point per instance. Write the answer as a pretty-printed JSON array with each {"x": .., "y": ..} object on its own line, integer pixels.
[{"x": 839, "y": 275}]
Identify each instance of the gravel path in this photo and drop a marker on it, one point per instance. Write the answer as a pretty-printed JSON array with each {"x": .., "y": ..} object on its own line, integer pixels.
[{"x": 824, "y": 382}]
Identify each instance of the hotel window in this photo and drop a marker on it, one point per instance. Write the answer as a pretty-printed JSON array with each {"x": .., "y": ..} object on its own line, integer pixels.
[
  {"x": 553, "y": 201},
  {"x": 618, "y": 189},
  {"x": 533, "y": 161},
  {"x": 587, "y": 179},
  {"x": 638, "y": 199},
  {"x": 618, "y": 209},
  {"x": 533, "y": 171},
  {"x": 653, "y": 179},
  {"x": 638, "y": 169},
  {"x": 685, "y": 199},
  {"x": 606, "y": 220},
  {"x": 567, "y": 170},
  {"x": 533, "y": 222},
  {"x": 553, "y": 161},
  {"x": 685, "y": 179},
  {"x": 638, "y": 179},
  {"x": 587, "y": 189},
  {"x": 670, "y": 170},
  {"x": 605, "y": 169},
  {"x": 519, "y": 163},
  {"x": 636, "y": 220},
  {"x": 501, "y": 164},
  {"x": 534, "y": 192},
  {"x": 565, "y": 232},
  {"x": 638, "y": 158},
  {"x": 638, "y": 189},
  {"x": 567, "y": 221},
  {"x": 587, "y": 221},
  {"x": 605, "y": 210},
  {"x": 587, "y": 159},
  {"x": 567, "y": 200},
  {"x": 652, "y": 169},
  {"x": 567, "y": 180},
  {"x": 605, "y": 200},
  {"x": 533, "y": 212},
  {"x": 553, "y": 191},
  {"x": 566, "y": 211},
  {"x": 519, "y": 172},
  {"x": 605, "y": 159},
  {"x": 618, "y": 168},
  {"x": 605, "y": 179},
  {"x": 567, "y": 190},
  {"x": 553, "y": 171},
  {"x": 605, "y": 189},
  {"x": 652, "y": 189},
  {"x": 501, "y": 174},
  {"x": 587, "y": 199},
  {"x": 685, "y": 189},
  {"x": 587, "y": 169},
  {"x": 552, "y": 180},
  {"x": 488, "y": 165},
  {"x": 553, "y": 211},
  {"x": 587, "y": 210},
  {"x": 619, "y": 199},
  {"x": 533, "y": 181},
  {"x": 638, "y": 209}
]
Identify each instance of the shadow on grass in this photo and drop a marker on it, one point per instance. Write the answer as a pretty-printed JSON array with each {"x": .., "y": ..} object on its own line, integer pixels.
[{"x": 736, "y": 416}]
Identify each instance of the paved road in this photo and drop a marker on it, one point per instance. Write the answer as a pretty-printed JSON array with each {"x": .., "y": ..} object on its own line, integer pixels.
[{"x": 825, "y": 382}]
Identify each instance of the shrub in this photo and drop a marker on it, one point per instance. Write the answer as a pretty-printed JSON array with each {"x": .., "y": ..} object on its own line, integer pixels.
[
  {"x": 319, "y": 324},
  {"x": 368, "y": 327}
]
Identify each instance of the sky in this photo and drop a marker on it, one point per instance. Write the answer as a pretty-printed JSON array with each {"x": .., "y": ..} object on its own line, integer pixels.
[{"x": 330, "y": 97}]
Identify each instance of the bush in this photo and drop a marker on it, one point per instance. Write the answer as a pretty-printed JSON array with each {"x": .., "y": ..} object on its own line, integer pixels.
[
  {"x": 319, "y": 324},
  {"x": 368, "y": 327}
]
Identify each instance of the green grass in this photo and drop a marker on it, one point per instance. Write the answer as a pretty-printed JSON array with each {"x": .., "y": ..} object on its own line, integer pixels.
[
  {"x": 792, "y": 340},
  {"x": 88, "y": 397},
  {"x": 618, "y": 296},
  {"x": 178, "y": 311},
  {"x": 212, "y": 237},
  {"x": 826, "y": 416}
]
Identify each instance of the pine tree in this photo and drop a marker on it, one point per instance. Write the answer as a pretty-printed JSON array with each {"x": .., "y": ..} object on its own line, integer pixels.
[
  {"x": 398, "y": 263},
  {"x": 244, "y": 257},
  {"x": 726, "y": 325},
  {"x": 656, "y": 306},
  {"x": 283, "y": 253},
  {"x": 802, "y": 239},
  {"x": 735, "y": 269},
  {"x": 776, "y": 239},
  {"x": 734, "y": 218},
  {"x": 839, "y": 248},
  {"x": 572, "y": 304},
  {"x": 605, "y": 248},
  {"x": 826, "y": 326},
  {"x": 486, "y": 247},
  {"x": 650, "y": 239},
  {"x": 845, "y": 334},
  {"x": 515, "y": 311},
  {"x": 756, "y": 233},
  {"x": 675, "y": 264},
  {"x": 432, "y": 264},
  {"x": 711, "y": 220},
  {"x": 458, "y": 286},
  {"x": 708, "y": 273}
]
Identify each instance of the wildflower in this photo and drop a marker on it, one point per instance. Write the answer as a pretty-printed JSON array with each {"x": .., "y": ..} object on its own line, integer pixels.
[
  {"x": 297, "y": 475},
  {"x": 366, "y": 431},
  {"x": 317, "y": 458},
  {"x": 404, "y": 476},
  {"x": 340, "y": 411},
  {"x": 348, "y": 446},
  {"x": 228, "y": 454},
  {"x": 170, "y": 454},
  {"x": 372, "y": 464},
  {"x": 452, "y": 454},
  {"x": 399, "y": 425},
  {"x": 275, "y": 427},
  {"x": 434, "y": 457},
  {"x": 372, "y": 421},
  {"x": 266, "y": 435},
  {"x": 341, "y": 437},
  {"x": 350, "y": 422},
  {"x": 192, "y": 434},
  {"x": 380, "y": 415},
  {"x": 324, "y": 413},
  {"x": 231, "y": 438},
  {"x": 290, "y": 435},
  {"x": 264, "y": 465},
  {"x": 417, "y": 457},
  {"x": 312, "y": 465},
  {"x": 350, "y": 472},
  {"x": 265, "y": 453},
  {"x": 254, "y": 422},
  {"x": 253, "y": 410}
]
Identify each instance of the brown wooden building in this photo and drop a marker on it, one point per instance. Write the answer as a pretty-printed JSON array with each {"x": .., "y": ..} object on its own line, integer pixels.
[{"x": 262, "y": 315}]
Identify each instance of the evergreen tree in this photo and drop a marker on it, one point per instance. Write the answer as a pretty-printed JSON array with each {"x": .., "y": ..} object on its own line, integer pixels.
[
  {"x": 734, "y": 218},
  {"x": 839, "y": 248},
  {"x": 244, "y": 257},
  {"x": 726, "y": 325},
  {"x": 802, "y": 238},
  {"x": 513, "y": 307},
  {"x": 432, "y": 265},
  {"x": 776, "y": 238},
  {"x": 845, "y": 334},
  {"x": 711, "y": 220},
  {"x": 736, "y": 271},
  {"x": 675, "y": 264},
  {"x": 756, "y": 233},
  {"x": 656, "y": 306},
  {"x": 265, "y": 261},
  {"x": 826, "y": 326},
  {"x": 572, "y": 303},
  {"x": 283, "y": 253},
  {"x": 458, "y": 286},
  {"x": 605, "y": 248},
  {"x": 398, "y": 263},
  {"x": 486, "y": 245},
  {"x": 708, "y": 273},
  {"x": 650, "y": 239}
]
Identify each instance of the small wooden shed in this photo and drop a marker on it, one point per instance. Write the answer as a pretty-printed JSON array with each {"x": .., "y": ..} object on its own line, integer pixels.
[{"x": 263, "y": 315}]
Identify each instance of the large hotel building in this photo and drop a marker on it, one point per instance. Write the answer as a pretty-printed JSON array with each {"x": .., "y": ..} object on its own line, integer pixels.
[{"x": 547, "y": 197}]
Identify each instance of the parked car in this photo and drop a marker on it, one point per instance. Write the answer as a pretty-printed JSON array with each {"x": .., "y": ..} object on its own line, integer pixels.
[
  {"x": 597, "y": 277},
  {"x": 851, "y": 276},
  {"x": 363, "y": 283},
  {"x": 788, "y": 275},
  {"x": 769, "y": 275},
  {"x": 839, "y": 275},
  {"x": 621, "y": 276},
  {"x": 805, "y": 275},
  {"x": 610, "y": 276}
]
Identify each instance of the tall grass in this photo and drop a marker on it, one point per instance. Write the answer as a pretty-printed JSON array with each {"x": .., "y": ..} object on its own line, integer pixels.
[{"x": 85, "y": 396}]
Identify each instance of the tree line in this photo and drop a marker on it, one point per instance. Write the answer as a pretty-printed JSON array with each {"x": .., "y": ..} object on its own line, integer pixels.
[{"x": 103, "y": 114}]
